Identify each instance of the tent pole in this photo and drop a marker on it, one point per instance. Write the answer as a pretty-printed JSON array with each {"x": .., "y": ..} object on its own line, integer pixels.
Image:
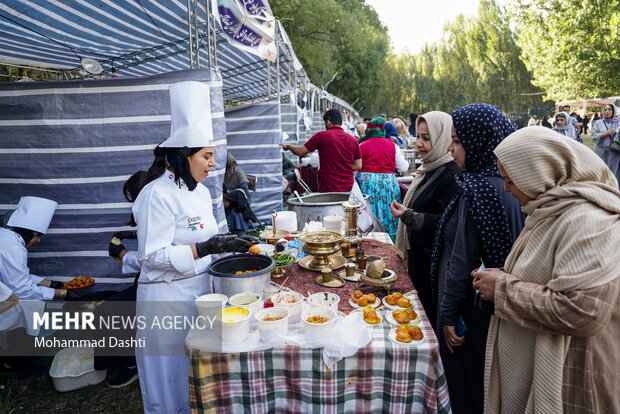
[
  {"x": 278, "y": 74},
  {"x": 268, "y": 78},
  {"x": 208, "y": 13},
  {"x": 189, "y": 39},
  {"x": 196, "y": 33}
]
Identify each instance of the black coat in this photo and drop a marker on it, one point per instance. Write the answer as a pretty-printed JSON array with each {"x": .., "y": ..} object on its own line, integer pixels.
[{"x": 422, "y": 220}]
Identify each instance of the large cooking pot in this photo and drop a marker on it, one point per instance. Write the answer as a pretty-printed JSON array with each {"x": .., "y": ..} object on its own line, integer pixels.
[
  {"x": 225, "y": 280},
  {"x": 317, "y": 206}
]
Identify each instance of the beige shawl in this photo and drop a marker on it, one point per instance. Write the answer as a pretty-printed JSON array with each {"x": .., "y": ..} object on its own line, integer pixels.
[
  {"x": 439, "y": 128},
  {"x": 564, "y": 179}
]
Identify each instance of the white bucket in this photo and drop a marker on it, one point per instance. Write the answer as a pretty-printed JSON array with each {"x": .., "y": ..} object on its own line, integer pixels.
[
  {"x": 286, "y": 220},
  {"x": 334, "y": 223}
]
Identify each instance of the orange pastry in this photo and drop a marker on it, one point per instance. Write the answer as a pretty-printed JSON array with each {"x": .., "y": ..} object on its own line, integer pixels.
[
  {"x": 404, "y": 303},
  {"x": 371, "y": 298}
]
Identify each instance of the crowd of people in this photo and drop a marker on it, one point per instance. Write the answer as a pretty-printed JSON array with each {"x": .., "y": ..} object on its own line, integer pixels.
[
  {"x": 501, "y": 231},
  {"x": 508, "y": 236}
]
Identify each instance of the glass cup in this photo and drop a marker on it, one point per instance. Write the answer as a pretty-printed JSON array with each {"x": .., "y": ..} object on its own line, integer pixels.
[
  {"x": 361, "y": 263},
  {"x": 349, "y": 269},
  {"x": 268, "y": 292}
]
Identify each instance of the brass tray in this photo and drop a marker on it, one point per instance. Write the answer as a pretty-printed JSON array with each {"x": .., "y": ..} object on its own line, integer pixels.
[
  {"x": 268, "y": 234},
  {"x": 388, "y": 278},
  {"x": 335, "y": 261},
  {"x": 319, "y": 281},
  {"x": 357, "y": 276}
]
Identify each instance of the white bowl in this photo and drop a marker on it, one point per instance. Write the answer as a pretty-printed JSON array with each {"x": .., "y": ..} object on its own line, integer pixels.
[
  {"x": 209, "y": 305},
  {"x": 291, "y": 301},
  {"x": 324, "y": 300},
  {"x": 74, "y": 368},
  {"x": 248, "y": 300},
  {"x": 269, "y": 330},
  {"x": 314, "y": 330},
  {"x": 265, "y": 248},
  {"x": 234, "y": 323}
]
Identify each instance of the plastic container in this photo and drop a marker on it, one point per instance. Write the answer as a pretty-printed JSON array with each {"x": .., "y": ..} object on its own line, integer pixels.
[
  {"x": 314, "y": 330},
  {"x": 249, "y": 300},
  {"x": 291, "y": 301},
  {"x": 286, "y": 220},
  {"x": 210, "y": 304},
  {"x": 269, "y": 330},
  {"x": 235, "y": 323},
  {"x": 74, "y": 368},
  {"x": 324, "y": 300}
]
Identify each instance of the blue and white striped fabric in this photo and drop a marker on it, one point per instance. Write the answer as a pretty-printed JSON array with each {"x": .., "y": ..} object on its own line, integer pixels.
[
  {"x": 76, "y": 142},
  {"x": 137, "y": 38},
  {"x": 254, "y": 133}
]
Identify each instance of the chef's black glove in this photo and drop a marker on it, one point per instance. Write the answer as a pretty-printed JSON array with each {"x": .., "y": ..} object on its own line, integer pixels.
[
  {"x": 54, "y": 284},
  {"x": 223, "y": 243},
  {"x": 114, "y": 250},
  {"x": 128, "y": 234}
]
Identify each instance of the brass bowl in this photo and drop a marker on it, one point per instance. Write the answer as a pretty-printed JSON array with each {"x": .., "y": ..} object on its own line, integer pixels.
[{"x": 321, "y": 245}]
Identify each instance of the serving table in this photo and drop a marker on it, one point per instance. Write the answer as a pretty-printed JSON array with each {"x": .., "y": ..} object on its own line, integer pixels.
[{"x": 381, "y": 377}]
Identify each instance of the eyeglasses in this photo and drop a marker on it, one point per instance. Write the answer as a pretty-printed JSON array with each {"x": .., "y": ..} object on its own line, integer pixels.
[{"x": 36, "y": 234}]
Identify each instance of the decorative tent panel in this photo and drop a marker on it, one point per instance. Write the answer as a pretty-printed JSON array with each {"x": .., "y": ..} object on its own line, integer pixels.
[
  {"x": 77, "y": 142},
  {"x": 254, "y": 133},
  {"x": 142, "y": 38}
]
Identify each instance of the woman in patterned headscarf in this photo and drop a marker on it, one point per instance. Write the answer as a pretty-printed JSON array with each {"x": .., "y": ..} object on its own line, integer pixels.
[
  {"x": 554, "y": 337},
  {"x": 480, "y": 223},
  {"x": 381, "y": 159}
]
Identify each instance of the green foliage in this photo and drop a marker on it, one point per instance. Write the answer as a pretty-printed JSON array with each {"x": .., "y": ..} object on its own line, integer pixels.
[
  {"x": 343, "y": 36},
  {"x": 477, "y": 60},
  {"x": 571, "y": 46}
]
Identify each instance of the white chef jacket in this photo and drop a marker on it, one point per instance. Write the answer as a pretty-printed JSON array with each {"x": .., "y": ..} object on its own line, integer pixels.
[
  {"x": 170, "y": 219},
  {"x": 131, "y": 262},
  {"x": 14, "y": 272},
  {"x": 21, "y": 315}
]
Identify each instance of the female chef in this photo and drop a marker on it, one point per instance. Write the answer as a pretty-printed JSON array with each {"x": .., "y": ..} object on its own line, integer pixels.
[
  {"x": 24, "y": 227},
  {"x": 177, "y": 233}
]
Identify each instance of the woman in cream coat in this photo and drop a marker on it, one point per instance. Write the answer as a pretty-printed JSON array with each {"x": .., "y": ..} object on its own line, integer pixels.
[{"x": 553, "y": 339}]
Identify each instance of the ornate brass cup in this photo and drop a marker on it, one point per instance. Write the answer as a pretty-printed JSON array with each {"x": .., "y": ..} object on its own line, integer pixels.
[{"x": 321, "y": 245}]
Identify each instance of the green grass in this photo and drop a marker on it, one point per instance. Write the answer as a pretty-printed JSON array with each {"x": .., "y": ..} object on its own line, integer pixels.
[
  {"x": 39, "y": 396},
  {"x": 587, "y": 140}
]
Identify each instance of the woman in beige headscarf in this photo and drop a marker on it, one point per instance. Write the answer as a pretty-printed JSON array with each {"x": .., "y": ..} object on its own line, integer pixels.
[
  {"x": 427, "y": 197},
  {"x": 553, "y": 342}
]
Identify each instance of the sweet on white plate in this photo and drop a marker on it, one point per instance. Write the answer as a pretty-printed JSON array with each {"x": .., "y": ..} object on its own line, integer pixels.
[
  {"x": 410, "y": 297},
  {"x": 392, "y": 321},
  {"x": 374, "y": 304},
  {"x": 367, "y": 323},
  {"x": 392, "y": 336}
]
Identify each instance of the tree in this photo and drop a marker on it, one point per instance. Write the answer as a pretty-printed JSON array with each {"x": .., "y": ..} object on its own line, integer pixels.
[
  {"x": 571, "y": 46},
  {"x": 344, "y": 36}
]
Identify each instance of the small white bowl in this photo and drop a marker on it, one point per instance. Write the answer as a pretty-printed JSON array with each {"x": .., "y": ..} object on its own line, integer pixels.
[
  {"x": 209, "y": 305},
  {"x": 248, "y": 300},
  {"x": 313, "y": 330},
  {"x": 235, "y": 324},
  {"x": 269, "y": 330},
  {"x": 324, "y": 300},
  {"x": 291, "y": 301}
]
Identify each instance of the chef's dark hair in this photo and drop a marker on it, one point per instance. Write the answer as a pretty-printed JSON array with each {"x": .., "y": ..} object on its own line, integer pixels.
[
  {"x": 131, "y": 189},
  {"x": 175, "y": 158}
]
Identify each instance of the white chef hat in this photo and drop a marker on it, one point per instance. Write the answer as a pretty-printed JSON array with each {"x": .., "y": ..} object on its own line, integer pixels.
[
  {"x": 190, "y": 116},
  {"x": 33, "y": 213}
]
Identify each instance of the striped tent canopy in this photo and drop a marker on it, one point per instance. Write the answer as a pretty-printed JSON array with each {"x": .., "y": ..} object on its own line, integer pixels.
[{"x": 140, "y": 38}]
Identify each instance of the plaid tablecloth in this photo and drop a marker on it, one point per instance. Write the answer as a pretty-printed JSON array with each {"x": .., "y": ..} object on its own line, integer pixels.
[{"x": 381, "y": 377}]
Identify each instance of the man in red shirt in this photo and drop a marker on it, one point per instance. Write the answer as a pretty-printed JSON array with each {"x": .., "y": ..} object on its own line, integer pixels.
[{"x": 339, "y": 154}]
